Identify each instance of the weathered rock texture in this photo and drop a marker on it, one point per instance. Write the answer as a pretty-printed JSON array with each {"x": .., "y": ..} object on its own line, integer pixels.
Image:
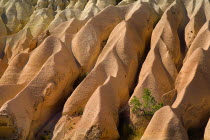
[
  {"x": 69, "y": 68},
  {"x": 190, "y": 110}
]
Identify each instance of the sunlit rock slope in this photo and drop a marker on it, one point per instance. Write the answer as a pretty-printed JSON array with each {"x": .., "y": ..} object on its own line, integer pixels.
[{"x": 69, "y": 69}]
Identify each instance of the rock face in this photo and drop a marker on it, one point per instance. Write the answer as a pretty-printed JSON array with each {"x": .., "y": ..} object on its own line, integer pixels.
[
  {"x": 116, "y": 66},
  {"x": 207, "y": 130},
  {"x": 69, "y": 68},
  {"x": 191, "y": 106}
]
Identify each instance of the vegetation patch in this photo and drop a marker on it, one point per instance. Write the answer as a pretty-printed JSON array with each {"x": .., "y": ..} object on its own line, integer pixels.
[
  {"x": 144, "y": 108},
  {"x": 147, "y": 107},
  {"x": 79, "y": 112}
]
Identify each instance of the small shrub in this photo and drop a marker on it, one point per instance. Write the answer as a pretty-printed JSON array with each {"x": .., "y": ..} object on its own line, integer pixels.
[
  {"x": 80, "y": 111},
  {"x": 148, "y": 107}
]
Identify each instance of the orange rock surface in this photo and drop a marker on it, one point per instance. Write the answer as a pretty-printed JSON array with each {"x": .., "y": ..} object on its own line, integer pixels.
[{"x": 69, "y": 69}]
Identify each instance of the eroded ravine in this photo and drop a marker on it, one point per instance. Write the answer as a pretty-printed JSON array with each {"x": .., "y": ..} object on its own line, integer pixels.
[{"x": 48, "y": 47}]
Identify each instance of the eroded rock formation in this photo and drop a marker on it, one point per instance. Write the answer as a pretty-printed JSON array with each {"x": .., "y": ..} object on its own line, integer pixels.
[{"x": 68, "y": 68}]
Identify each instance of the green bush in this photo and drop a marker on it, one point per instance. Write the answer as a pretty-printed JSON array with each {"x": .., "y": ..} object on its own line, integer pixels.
[{"x": 146, "y": 108}]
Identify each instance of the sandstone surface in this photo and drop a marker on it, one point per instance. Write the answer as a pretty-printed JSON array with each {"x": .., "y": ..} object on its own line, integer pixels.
[{"x": 70, "y": 69}]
